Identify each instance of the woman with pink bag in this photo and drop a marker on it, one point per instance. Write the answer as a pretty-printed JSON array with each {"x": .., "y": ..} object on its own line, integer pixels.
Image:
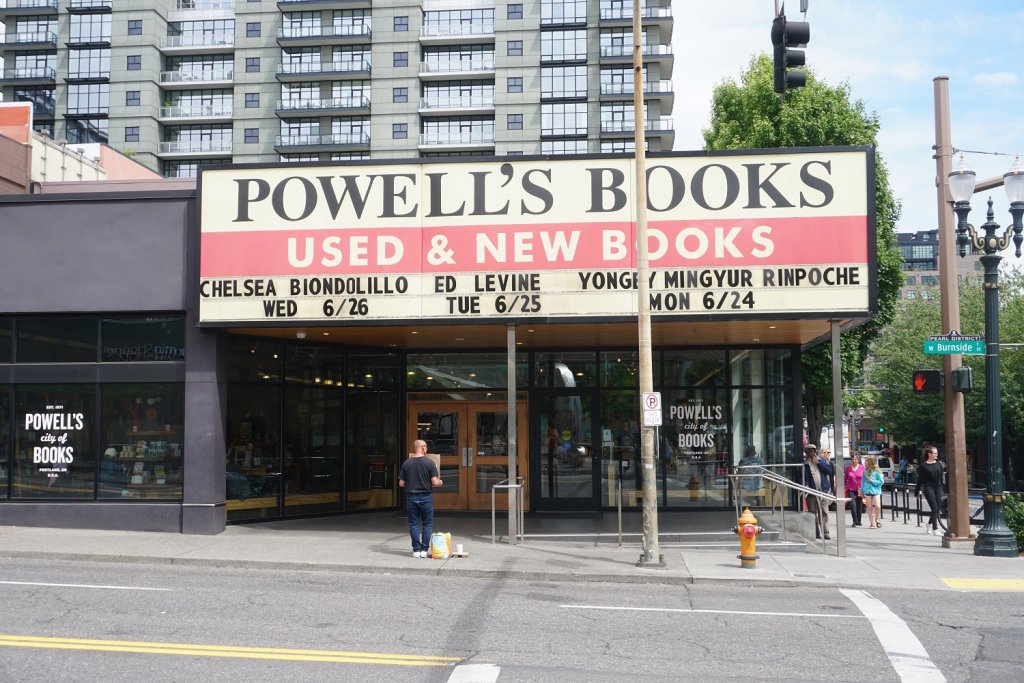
[{"x": 853, "y": 474}]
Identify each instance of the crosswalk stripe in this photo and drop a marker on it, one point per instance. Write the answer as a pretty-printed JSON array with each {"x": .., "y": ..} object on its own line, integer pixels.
[
  {"x": 986, "y": 584},
  {"x": 475, "y": 673}
]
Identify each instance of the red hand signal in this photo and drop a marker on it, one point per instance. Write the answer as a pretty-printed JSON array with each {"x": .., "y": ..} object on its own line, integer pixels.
[{"x": 919, "y": 382}]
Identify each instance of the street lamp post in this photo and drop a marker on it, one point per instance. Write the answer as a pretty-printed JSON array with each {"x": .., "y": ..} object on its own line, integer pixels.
[{"x": 995, "y": 539}]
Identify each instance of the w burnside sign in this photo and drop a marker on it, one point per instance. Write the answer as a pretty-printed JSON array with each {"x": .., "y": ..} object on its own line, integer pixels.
[{"x": 731, "y": 235}]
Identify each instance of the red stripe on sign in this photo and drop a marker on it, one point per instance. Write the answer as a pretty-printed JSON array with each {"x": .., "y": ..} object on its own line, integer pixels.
[{"x": 495, "y": 248}]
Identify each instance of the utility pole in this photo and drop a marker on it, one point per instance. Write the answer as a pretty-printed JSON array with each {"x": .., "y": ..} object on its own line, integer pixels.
[
  {"x": 955, "y": 446},
  {"x": 651, "y": 556}
]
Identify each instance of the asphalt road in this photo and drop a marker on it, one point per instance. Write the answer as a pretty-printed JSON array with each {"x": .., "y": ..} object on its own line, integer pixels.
[{"x": 76, "y": 621}]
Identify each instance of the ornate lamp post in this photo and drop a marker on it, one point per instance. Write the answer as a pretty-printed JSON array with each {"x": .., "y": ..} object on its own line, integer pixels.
[{"x": 995, "y": 539}]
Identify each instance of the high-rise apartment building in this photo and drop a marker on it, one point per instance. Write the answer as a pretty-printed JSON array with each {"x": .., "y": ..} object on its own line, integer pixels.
[
  {"x": 919, "y": 252},
  {"x": 179, "y": 84}
]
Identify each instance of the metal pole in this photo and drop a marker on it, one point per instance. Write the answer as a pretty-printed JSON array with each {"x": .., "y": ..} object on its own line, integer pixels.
[
  {"x": 512, "y": 434},
  {"x": 837, "y": 459},
  {"x": 995, "y": 539},
  {"x": 651, "y": 555},
  {"x": 949, "y": 295}
]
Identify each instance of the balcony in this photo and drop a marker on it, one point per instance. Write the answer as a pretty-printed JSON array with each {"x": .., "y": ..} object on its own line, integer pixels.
[
  {"x": 204, "y": 5},
  {"x": 31, "y": 75},
  {"x": 197, "y": 112},
  {"x": 649, "y": 16},
  {"x": 321, "y": 143},
  {"x": 659, "y": 126},
  {"x": 198, "y": 43},
  {"x": 90, "y": 6},
  {"x": 466, "y": 104},
  {"x": 459, "y": 68},
  {"x": 35, "y": 40},
  {"x": 446, "y": 34},
  {"x": 298, "y": 36},
  {"x": 302, "y": 71},
  {"x": 660, "y": 54},
  {"x": 335, "y": 105},
  {"x": 653, "y": 90},
  {"x": 190, "y": 79},
  {"x": 195, "y": 148},
  {"x": 457, "y": 140},
  {"x": 311, "y": 5},
  {"x": 26, "y": 8}
]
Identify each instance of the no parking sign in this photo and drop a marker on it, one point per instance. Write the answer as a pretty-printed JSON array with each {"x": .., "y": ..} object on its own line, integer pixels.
[{"x": 650, "y": 405}]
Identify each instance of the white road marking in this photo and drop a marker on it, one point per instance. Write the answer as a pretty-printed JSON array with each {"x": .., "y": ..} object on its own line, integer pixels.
[
  {"x": 714, "y": 611},
  {"x": 475, "y": 673},
  {"x": 82, "y": 585},
  {"x": 905, "y": 651}
]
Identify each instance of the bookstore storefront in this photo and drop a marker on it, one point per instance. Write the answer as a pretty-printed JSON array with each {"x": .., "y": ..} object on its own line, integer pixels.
[{"x": 174, "y": 363}]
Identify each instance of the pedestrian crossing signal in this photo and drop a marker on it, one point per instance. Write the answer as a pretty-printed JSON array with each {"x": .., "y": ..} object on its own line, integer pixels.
[{"x": 927, "y": 381}]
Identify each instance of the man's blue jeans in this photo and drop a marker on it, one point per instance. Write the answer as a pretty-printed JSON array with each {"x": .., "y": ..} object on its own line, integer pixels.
[{"x": 420, "y": 509}]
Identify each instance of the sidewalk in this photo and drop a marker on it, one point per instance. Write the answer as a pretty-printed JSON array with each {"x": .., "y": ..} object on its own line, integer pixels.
[{"x": 895, "y": 556}]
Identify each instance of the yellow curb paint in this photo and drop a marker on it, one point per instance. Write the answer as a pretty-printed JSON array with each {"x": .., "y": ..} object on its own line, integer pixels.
[
  {"x": 225, "y": 651},
  {"x": 986, "y": 584}
]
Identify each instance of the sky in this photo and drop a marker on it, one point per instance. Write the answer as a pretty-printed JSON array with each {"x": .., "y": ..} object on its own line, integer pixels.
[{"x": 888, "y": 52}]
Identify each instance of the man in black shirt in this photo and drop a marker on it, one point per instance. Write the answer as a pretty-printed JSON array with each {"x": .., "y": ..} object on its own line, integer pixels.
[{"x": 418, "y": 477}]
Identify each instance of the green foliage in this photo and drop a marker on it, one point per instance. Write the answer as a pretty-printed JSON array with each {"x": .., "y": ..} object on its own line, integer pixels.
[
  {"x": 1013, "y": 510},
  {"x": 750, "y": 115}
]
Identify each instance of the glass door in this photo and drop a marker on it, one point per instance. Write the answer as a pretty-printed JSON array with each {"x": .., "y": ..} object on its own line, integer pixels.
[{"x": 470, "y": 442}]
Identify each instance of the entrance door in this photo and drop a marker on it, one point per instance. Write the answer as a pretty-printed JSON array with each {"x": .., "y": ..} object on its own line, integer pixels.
[{"x": 472, "y": 442}]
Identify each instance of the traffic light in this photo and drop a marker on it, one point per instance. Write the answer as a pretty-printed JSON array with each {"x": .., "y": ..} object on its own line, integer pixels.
[
  {"x": 927, "y": 381},
  {"x": 787, "y": 35},
  {"x": 963, "y": 379}
]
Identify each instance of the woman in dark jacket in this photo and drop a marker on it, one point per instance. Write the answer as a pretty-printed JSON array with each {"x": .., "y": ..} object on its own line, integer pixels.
[{"x": 929, "y": 480}]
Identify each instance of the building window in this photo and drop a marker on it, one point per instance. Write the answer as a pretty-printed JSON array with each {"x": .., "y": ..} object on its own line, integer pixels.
[
  {"x": 399, "y": 94},
  {"x": 134, "y": 62},
  {"x": 252, "y": 135},
  {"x": 252, "y": 99},
  {"x": 135, "y": 27},
  {"x": 133, "y": 98},
  {"x": 399, "y": 131},
  {"x": 253, "y": 30},
  {"x": 515, "y": 11},
  {"x": 401, "y": 23},
  {"x": 514, "y": 153},
  {"x": 131, "y": 134},
  {"x": 515, "y": 121},
  {"x": 252, "y": 64},
  {"x": 515, "y": 48},
  {"x": 515, "y": 84},
  {"x": 400, "y": 59}
]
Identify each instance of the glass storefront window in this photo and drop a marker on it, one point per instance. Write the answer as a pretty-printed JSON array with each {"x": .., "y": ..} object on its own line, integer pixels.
[
  {"x": 746, "y": 367},
  {"x": 695, "y": 447},
  {"x": 253, "y": 465},
  {"x": 317, "y": 365},
  {"x": 312, "y": 450},
  {"x": 142, "y": 433},
  {"x": 620, "y": 447},
  {"x": 56, "y": 340},
  {"x": 620, "y": 369},
  {"x": 5, "y": 341},
  {"x": 439, "y": 371},
  {"x": 372, "y": 371},
  {"x": 254, "y": 360},
  {"x": 694, "y": 368},
  {"x": 143, "y": 339},
  {"x": 54, "y": 455},
  {"x": 566, "y": 370},
  {"x": 5, "y": 440},
  {"x": 778, "y": 366},
  {"x": 372, "y": 450},
  {"x": 566, "y": 463}
]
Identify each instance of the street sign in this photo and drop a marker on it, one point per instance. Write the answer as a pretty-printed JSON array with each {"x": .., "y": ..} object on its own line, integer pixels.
[
  {"x": 954, "y": 342},
  {"x": 650, "y": 404}
]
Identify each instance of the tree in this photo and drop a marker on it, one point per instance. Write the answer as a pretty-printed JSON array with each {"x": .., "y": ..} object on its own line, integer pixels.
[{"x": 750, "y": 115}]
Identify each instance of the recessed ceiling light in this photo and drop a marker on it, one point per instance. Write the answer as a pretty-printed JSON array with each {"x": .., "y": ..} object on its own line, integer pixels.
[
  {"x": 772, "y": 327},
  {"x": 529, "y": 330},
  {"x": 756, "y": 339},
  {"x": 414, "y": 332},
  {"x": 460, "y": 339},
  {"x": 326, "y": 334}
]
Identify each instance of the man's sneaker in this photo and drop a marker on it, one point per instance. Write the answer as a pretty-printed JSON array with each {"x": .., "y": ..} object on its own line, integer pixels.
[{"x": 415, "y": 553}]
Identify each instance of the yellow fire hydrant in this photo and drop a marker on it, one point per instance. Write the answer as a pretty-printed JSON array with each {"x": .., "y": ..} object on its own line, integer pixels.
[{"x": 747, "y": 529}]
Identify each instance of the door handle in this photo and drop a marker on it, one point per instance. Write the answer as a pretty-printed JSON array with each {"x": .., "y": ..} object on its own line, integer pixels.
[
  {"x": 470, "y": 451},
  {"x": 464, "y": 456}
]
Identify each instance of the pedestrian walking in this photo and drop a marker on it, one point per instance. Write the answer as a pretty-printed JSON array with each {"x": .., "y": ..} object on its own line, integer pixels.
[
  {"x": 817, "y": 474},
  {"x": 871, "y": 488},
  {"x": 929, "y": 480},
  {"x": 852, "y": 476},
  {"x": 418, "y": 477}
]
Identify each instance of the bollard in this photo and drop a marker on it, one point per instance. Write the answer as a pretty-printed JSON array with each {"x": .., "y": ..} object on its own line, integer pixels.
[{"x": 747, "y": 529}]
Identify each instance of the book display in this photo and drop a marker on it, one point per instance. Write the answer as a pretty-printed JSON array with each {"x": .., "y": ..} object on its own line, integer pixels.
[{"x": 148, "y": 467}]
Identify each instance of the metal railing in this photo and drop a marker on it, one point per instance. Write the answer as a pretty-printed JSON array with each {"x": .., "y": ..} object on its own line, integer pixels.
[
  {"x": 626, "y": 13},
  {"x": 196, "y": 147},
  {"x": 205, "y": 76},
  {"x": 458, "y": 102},
  {"x": 198, "y": 40},
  {"x": 318, "y": 67},
  {"x": 458, "y": 138},
  {"x": 329, "y": 31},
  {"x": 204, "y": 4},
  {"x": 31, "y": 4},
  {"x": 30, "y": 72},
  {"x": 197, "y": 111},
  {"x": 457, "y": 66},
  {"x": 352, "y": 102},
  {"x": 456, "y": 30},
  {"x": 518, "y": 487},
  {"x": 627, "y": 88},
  {"x": 323, "y": 140},
  {"x": 775, "y": 480},
  {"x": 30, "y": 37}
]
